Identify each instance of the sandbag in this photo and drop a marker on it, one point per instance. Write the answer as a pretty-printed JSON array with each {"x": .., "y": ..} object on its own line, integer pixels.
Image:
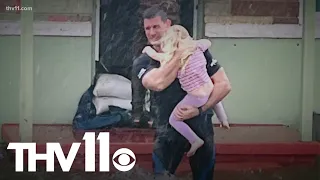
[
  {"x": 102, "y": 104},
  {"x": 113, "y": 85},
  {"x": 86, "y": 118}
]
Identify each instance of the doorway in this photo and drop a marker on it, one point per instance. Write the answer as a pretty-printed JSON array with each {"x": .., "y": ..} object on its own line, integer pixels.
[{"x": 122, "y": 36}]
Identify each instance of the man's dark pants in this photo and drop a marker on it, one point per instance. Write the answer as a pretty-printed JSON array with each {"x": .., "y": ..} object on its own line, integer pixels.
[{"x": 170, "y": 148}]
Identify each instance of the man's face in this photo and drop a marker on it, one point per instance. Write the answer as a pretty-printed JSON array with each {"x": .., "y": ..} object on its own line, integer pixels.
[{"x": 154, "y": 28}]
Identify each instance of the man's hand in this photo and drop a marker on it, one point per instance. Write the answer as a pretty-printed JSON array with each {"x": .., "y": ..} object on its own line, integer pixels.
[{"x": 186, "y": 112}]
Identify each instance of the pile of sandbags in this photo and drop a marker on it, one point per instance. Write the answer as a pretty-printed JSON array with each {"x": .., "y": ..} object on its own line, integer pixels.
[{"x": 112, "y": 90}]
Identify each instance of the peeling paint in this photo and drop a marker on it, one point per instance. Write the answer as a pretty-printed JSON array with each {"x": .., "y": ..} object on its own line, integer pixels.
[
  {"x": 47, "y": 28},
  {"x": 69, "y": 18}
]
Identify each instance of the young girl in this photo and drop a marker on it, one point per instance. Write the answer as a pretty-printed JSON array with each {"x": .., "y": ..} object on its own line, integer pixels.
[{"x": 192, "y": 75}]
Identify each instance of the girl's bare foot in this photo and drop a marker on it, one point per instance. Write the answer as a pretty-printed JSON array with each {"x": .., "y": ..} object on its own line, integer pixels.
[
  {"x": 225, "y": 124},
  {"x": 194, "y": 147},
  {"x": 150, "y": 123},
  {"x": 136, "y": 121}
]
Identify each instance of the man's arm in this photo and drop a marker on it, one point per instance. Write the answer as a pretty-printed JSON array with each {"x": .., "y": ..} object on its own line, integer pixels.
[
  {"x": 138, "y": 96},
  {"x": 157, "y": 79},
  {"x": 222, "y": 86},
  {"x": 221, "y": 89}
]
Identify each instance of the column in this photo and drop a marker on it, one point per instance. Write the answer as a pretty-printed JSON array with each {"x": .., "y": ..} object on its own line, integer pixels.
[
  {"x": 308, "y": 68},
  {"x": 26, "y": 73}
]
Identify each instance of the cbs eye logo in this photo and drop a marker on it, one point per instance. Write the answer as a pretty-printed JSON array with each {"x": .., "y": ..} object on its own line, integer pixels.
[{"x": 125, "y": 163}]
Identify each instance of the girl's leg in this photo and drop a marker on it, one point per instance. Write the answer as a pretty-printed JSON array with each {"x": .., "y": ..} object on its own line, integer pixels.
[
  {"x": 183, "y": 128},
  {"x": 221, "y": 114}
]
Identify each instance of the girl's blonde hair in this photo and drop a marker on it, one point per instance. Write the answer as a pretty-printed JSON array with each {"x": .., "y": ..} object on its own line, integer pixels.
[{"x": 177, "y": 38}]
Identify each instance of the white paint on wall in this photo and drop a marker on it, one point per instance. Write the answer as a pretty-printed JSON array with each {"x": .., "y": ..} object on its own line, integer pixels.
[
  {"x": 253, "y": 30},
  {"x": 48, "y": 28},
  {"x": 256, "y": 30}
]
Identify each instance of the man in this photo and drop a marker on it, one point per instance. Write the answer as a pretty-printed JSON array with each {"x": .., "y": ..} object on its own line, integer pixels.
[{"x": 169, "y": 145}]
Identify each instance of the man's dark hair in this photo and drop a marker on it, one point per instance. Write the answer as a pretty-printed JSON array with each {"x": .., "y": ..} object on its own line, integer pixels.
[{"x": 155, "y": 11}]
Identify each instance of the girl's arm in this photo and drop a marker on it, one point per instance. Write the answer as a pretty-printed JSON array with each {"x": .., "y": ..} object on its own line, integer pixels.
[
  {"x": 153, "y": 54},
  {"x": 220, "y": 112},
  {"x": 157, "y": 56},
  {"x": 204, "y": 44}
]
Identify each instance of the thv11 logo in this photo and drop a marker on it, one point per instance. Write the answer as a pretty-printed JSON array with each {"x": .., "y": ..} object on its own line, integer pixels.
[{"x": 52, "y": 149}]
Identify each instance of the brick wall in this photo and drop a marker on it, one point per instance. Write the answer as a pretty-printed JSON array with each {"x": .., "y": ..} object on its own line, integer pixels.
[{"x": 252, "y": 11}]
